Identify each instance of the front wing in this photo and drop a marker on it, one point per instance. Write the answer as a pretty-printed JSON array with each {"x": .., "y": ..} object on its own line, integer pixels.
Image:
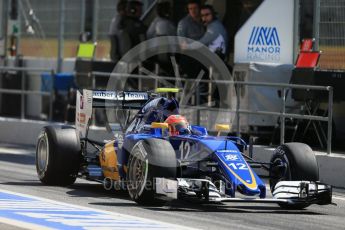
[{"x": 288, "y": 192}]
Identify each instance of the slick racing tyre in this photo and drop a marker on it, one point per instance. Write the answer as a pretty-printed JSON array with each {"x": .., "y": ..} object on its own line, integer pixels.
[
  {"x": 148, "y": 159},
  {"x": 293, "y": 162},
  {"x": 58, "y": 155}
]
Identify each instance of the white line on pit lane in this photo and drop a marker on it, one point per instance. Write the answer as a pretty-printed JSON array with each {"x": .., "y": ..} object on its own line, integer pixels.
[
  {"x": 21, "y": 224},
  {"x": 106, "y": 219},
  {"x": 338, "y": 198}
]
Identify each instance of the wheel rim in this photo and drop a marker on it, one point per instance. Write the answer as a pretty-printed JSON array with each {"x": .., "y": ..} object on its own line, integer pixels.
[
  {"x": 42, "y": 153},
  {"x": 137, "y": 172}
]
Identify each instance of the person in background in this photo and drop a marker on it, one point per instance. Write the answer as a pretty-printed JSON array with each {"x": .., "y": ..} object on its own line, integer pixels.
[
  {"x": 115, "y": 31},
  {"x": 162, "y": 24},
  {"x": 190, "y": 26},
  {"x": 131, "y": 24},
  {"x": 216, "y": 37},
  {"x": 132, "y": 33}
]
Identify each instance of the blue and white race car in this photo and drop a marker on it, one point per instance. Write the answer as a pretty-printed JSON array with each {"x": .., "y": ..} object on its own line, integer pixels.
[{"x": 160, "y": 156}]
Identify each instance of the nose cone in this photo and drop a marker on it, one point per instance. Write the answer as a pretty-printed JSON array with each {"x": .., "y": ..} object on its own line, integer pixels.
[{"x": 239, "y": 172}]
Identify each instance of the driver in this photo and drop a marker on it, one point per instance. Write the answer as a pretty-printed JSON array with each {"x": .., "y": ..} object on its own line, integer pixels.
[{"x": 177, "y": 123}]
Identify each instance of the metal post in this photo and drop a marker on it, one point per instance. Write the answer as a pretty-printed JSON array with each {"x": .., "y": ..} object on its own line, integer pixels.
[
  {"x": 317, "y": 23},
  {"x": 237, "y": 86},
  {"x": 93, "y": 77},
  {"x": 22, "y": 96},
  {"x": 82, "y": 16},
  {"x": 296, "y": 34},
  {"x": 95, "y": 20},
  {"x": 330, "y": 118},
  {"x": 156, "y": 72},
  {"x": 209, "y": 97},
  {"x": 19, "y": 34},
  {"x": 282, "y": 118},
  {"x": 51, "y": 97},
  {"x": 198, "y": 102},
  {"x": 61, "y": 36},
  {"x": 140, "y": 82},
  {"x": 2, "y": 18},
  {"x": 4, "y": 25}
]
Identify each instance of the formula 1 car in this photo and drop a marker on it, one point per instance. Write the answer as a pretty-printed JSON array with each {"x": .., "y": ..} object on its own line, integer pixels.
[{"x": 160, "y": 156}]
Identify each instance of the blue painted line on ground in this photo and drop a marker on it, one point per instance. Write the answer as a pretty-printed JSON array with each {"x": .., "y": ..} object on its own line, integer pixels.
[{"x": 56, "y": 215}]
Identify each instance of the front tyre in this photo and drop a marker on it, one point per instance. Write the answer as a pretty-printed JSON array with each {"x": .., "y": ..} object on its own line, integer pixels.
[
  {"x": 293, "y": 162},
  {"x": 148, "y": 159},
  {"x": 58, "y": 155}
]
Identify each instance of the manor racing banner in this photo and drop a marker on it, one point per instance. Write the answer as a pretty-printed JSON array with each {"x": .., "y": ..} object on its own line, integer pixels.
[{"x": 267, "y": 36}]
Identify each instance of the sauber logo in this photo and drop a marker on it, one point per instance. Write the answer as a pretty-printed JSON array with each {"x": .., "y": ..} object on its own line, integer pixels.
[
  {"x": 231, "y": 157},
  {"x": 109, "y": 95},
  {"x": 127, "y": 96},
  {"x": 264, "y": 44}
]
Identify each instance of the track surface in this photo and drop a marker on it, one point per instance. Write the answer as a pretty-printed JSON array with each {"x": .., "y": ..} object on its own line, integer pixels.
[{"x": 18, "y": 174}]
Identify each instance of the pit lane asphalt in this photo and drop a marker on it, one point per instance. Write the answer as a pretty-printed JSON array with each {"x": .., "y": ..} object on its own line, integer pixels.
[{"x": 18, "y": 174}]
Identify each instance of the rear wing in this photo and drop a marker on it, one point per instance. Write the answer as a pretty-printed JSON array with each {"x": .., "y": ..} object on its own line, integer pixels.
[
  {"x": 88, "y": 99},
  {"x": 127, "y": 100}
]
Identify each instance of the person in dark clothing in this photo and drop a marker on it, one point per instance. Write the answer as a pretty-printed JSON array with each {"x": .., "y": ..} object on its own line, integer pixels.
[
  {"x": 162, "y": 26},
  {"x": 133, "y": 32},
  {"x": 132, "y": 26},
  {"x": 116, "y": 51},
  {"x": 216, "y": 37},
  {"x": 191, "y": 26}
]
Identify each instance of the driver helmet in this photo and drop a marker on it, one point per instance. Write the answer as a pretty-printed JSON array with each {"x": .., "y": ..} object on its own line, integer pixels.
[{"x": 176, "y": 123}]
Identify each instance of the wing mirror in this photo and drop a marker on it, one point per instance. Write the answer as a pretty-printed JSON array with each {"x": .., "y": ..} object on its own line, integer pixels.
[
  {"x": 159, "y": 125},
  {"x": 160, "y": 129},
  {"x": 222, "y": 128}
]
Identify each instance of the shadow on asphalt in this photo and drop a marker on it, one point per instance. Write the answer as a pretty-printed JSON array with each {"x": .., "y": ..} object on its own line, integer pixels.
[
  {"x": 87, "y": 190},
  {"x": 185, "y": 206},
  {"x": 97, "y": 191},
  {"x": 24, "y": 183},
  {"x": 17, "y": 158}
]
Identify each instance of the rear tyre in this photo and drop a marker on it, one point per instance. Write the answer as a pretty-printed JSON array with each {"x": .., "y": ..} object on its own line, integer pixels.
[
  {"x": 148, "y": 159},
  {"x": 293, "y": 162},
  {"x": 58, "y": 155}
]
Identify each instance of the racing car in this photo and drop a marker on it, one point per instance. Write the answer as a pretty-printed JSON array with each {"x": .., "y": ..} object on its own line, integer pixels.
[{"x": 159, "y": 156}]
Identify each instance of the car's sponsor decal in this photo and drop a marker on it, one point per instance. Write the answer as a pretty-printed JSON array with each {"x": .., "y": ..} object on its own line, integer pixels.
[
  {"x": 253, "y": 185},
  {"x": 119, "y": 96},
  {"x": 133, "y": 96},
  {"x": 107, "y": 95},
  {"x": 108, "y": 161},
  {"x": 231, "y": 157},
  {"x": 227, "y": 151},
  {"x": 30, "y": 212}
]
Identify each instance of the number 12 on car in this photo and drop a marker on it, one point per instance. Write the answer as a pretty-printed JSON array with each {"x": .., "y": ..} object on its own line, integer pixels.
[{"x": 240, "y": 166}]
